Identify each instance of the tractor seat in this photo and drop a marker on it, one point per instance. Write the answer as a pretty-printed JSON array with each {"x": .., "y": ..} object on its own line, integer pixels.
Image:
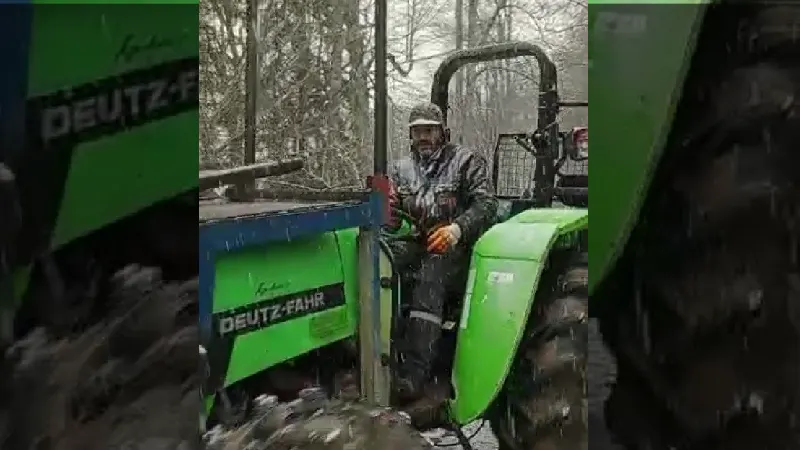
[
  {"x": 573, "y": 181},
  {"x": 573, "y": 190}
]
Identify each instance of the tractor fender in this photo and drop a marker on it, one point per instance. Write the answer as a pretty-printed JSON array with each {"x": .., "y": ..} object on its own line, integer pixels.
[{"x": 507, "y": 263}]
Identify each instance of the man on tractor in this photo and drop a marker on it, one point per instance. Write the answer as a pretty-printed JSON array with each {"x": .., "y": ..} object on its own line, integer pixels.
[{"x": 446, "y": 191}]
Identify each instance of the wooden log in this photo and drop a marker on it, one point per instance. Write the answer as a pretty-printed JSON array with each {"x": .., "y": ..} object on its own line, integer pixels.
[{"x": 239, "y": 175}]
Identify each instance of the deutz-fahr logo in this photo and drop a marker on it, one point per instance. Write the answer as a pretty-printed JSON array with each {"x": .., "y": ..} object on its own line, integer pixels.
[
  {"x": 115, "y": 104},
  {"x": 265, "y": 313}
]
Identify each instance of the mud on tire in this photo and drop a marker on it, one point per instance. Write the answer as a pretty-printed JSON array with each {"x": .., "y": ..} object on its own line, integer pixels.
[
  {"x": 543, "y": 405},
  {"x": 129, "y": 382},
  {"x": 708, "y": 339},
  {"x": 314, "y": 422}
]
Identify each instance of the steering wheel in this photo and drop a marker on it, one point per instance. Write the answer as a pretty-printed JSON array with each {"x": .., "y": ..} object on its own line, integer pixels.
[{"x": 409, "y": 229}]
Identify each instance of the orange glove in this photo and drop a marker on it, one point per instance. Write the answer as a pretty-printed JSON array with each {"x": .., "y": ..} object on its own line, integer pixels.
[{"x": 444, "y": 238}]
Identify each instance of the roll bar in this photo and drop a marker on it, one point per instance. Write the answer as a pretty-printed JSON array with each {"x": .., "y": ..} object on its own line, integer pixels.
[{"x": 548, "y": 77}]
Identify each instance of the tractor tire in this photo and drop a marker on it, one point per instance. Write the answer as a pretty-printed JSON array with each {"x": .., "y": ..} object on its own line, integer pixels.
[
  {"x": 129, "y": 381},
  {"x": 314, "y": 422},
  {"x": 543, "y": 404},
  {"x": 707, "y": 339}
]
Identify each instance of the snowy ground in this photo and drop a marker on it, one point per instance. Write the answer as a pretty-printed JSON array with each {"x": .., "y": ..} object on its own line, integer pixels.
[{"x": 484, "y": 440}]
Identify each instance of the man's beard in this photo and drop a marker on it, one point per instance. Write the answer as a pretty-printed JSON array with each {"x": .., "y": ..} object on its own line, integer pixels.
[{"x": 424, "y": 149}]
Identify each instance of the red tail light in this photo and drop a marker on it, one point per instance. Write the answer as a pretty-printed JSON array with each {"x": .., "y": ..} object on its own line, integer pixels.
[{"x": 580, "y": 135}]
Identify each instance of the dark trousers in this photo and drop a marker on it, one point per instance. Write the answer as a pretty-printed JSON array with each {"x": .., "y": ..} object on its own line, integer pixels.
[{"x": 431, "y": 277}]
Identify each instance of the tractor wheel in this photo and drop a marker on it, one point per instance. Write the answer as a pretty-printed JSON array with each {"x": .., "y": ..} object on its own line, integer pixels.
[
  {"x": 543, "y": 405},
  {"x": 706, "y": 331},
  {"x": 314, "y": 422},
  {"x": 128, "y": 381}
]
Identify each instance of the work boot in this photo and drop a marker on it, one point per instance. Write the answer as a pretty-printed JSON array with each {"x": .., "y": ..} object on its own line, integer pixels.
[
  {"x": 421, "y": 342},
  {"x": 408, "y": 387}
]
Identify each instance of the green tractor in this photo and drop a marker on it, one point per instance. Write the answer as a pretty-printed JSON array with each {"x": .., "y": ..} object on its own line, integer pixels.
[
  {"x": 295, "y": 295},
  {"x": 98, "y": 182},
  {"x": 694, "y": 268}
]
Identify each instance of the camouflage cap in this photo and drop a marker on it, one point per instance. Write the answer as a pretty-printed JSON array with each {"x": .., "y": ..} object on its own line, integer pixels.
[{"x": 425, "y": 114}]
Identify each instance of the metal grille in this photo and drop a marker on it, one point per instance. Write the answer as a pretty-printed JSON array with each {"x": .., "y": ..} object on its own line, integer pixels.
[
  {"x": 515, "y": 168},
  {"x": 571, "y": 167}
]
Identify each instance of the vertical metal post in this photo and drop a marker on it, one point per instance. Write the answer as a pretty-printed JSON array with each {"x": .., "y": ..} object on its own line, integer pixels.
[
  {"x": 389, "y": 127},
  {"x": 206, "y": 371},
  {"x": 375, "y": 375},
  {"x": 10, "y": 226},
  {"x": 381, "y": 132},
  {"x": 251, "y": 84}
]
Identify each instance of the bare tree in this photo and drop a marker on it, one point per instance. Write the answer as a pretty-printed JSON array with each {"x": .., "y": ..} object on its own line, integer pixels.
[{"x": 315, "y": 76}]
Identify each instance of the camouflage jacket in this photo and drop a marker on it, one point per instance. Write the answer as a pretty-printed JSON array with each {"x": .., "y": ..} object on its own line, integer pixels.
[{"x": 451, "y": 186}]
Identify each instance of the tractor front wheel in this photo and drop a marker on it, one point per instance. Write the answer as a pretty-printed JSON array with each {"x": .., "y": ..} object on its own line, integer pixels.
[{"x": 543, "y": 404}]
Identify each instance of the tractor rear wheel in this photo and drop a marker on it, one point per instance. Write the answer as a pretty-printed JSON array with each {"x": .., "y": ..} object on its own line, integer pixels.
[
  {"x": 705, "y": 327},
  {"x": 543, "y": 404},
  {"x": 127, "y": 381}
]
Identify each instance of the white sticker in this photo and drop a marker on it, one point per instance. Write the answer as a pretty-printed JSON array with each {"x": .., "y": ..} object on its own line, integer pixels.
[
  {"x": 500, "y": 277},
  {"x": 467, "y": 299},
  {"x": 620, "y": 23}
]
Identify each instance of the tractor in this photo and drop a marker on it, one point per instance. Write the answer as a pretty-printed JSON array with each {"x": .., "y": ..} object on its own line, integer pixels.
[
  {"x": 297, "y": 294},
  {"x": 694, "y": 269},
  {"x": 98, "y": 196}
]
